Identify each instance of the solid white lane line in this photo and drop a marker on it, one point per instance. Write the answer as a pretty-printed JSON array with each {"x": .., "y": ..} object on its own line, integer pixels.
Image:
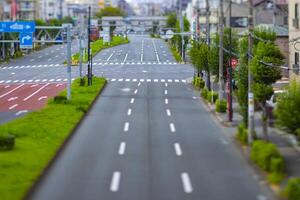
[
  {"x": 115, "y": 181},
  {"x": 7, "y": 93},
  {"x": 168, "y": 112},
  {"x": 166, "y": 92},
  {"x": 172, "y": 128},
  {"x": 177, "y": 148},
  {"x": 166, "y": 101},
  {"x": 110, "y": 57},
  {"x": 122, "y": 148},
  {"x": 36, "y": 92},
  {"x": 132, "y": 101},
  {"x": 12, "y": 107},
  {"x": 129, "y": 112},
  {"x": 126, "y": 127},
  {"x": 186, "y": 182}
]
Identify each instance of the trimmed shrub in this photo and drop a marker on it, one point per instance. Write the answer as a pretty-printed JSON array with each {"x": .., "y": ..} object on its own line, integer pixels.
[
  {"x": 212, "y": 96},
  {"x": 7, "y": 142},
  {"x": 262, "y": 154},
  {"x": 204, "y": 93},
  {"x": 275, "y": 178},
  {"x": 221, "y": 106},
  {"x": 60, "y": 99},
  {"x": 242, "y": 134},
  {"x": 198, "y": 82},
  {"x": 277, "y": 165},
  {"x": 292, "y": 190}
]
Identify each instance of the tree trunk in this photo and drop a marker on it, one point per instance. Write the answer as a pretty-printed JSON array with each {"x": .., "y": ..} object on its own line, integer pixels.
[{"x": 264, "y": 121}]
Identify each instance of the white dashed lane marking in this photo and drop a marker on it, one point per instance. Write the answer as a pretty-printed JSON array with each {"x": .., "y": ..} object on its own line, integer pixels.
[
  {"x": 122, "y": 148},
  {"x": 172, "y": 127},
  {"x": 178, "y": 150},
  {"x": 115, "y": 181},
  {"x": 126, "y": 127},
  {"x": 186, "y": 182}
]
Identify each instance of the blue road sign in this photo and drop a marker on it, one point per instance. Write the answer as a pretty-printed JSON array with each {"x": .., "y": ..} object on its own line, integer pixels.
[
  {"x": 17, "y": 26},
  {"x": 26, "y": 40}
]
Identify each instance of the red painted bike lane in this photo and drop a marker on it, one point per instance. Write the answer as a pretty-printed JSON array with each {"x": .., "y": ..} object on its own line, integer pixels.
[{"x": 19, "y": 97}]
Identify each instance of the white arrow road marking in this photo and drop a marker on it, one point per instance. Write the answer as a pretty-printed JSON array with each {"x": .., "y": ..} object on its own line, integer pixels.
[
  {"x": 7, "y": 93},
  {"x": 36, "y": 92},
  {"x": 21, "y": 112},
  {"x": 12, "y": 107},
  {"x": 186, "y": 182},
  {"x": 122, "y": 148},
  {"x": 43, "y": 97},
  {"x": 115, "y": 181},
  {"x": 13, "y": 98},
  {"x": 57, "y": 85},
  {"x": 35, "y": 85}
]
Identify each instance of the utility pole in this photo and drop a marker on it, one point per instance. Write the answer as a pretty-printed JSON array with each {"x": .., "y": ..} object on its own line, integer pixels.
[
  {"x": 197, "y": 22},
  {"x": 230, "y": 113},
  {"x": 250, "y": 78},
  {"x": 89, "y": 75},
  {"x": 181, "y": 23},
  {"x": 69, "y": 54},
  {"x": 208, "y": 43},
  {"x": 221, "y": 52}
]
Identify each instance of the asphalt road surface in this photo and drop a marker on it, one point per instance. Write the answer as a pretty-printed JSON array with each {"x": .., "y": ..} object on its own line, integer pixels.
[{"x": 147, "y": 137}]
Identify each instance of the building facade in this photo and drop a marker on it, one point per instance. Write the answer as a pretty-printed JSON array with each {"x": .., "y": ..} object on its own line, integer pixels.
[{"x": 294, "y": 34}]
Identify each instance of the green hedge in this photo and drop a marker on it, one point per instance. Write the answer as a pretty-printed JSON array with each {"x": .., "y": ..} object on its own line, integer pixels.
[
  {"x": 242, "y": 134},
  {"x": 38, "y": 136},
  {"x": 265, "y": 155},
  {"x": 97, "y": 46},
  {"x": 204, "y": 93},
  {"x": 292, "y": 190},
  {"x": 212, "y": 96},
  {"x": 268, "y": 158},
  {"x": 198, "y": 82},
  {"x": 221, "y": 106}
]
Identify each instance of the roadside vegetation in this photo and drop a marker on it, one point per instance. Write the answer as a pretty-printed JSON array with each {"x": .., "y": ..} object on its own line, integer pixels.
[
  {"x": 39, "y": 135},
  {"x": 97, "y": 46},
  {"x": 175, "y": 43}
]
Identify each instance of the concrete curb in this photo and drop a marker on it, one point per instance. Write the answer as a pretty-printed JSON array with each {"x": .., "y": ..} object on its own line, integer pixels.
[{"x": 44, "y": 172}]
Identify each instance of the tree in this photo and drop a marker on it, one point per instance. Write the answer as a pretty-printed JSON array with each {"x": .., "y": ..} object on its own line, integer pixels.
[
  {"x": 214, "y": 52},
  {"x": 264, "y": 76},
  {"x": 199, "y": 57},
  {"x": 171, "y": 20},
  {"x": 288, "y": 110},
  {"x": 110, "y": 11},
  {"x": 264, "y": 51}
]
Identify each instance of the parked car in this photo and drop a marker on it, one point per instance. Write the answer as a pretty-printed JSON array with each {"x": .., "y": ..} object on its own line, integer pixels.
[{"x": 271, "y": 105}]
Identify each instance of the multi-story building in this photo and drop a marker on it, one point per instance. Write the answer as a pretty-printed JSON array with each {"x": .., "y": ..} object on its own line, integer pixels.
[
  {"x": 294, "y": 33},
  {"x": 52, "y": 9},
  {"x": 27, "y": 9}
]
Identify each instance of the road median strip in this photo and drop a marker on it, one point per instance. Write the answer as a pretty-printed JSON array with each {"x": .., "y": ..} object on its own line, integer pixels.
[{"x": 40, "y": 136}]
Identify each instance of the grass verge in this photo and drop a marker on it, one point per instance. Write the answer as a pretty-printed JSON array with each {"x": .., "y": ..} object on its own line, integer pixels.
[
  {"x": 97, "y": 46},
  {"x": 38, "y": 137},
  {"x": 175, "y": 53}
]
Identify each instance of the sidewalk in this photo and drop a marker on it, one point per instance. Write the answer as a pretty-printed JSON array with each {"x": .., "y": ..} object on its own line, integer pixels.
[{"x": 286, "y": 143}]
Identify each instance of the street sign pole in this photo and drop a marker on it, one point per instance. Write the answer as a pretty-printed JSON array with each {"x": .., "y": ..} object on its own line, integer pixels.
[
  {"x": 81, "y": 52},
  {"x": 69, "y": 62}
]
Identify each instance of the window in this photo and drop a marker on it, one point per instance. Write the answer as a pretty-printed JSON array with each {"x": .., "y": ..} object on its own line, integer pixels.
[{"x": 296, "y": 58}]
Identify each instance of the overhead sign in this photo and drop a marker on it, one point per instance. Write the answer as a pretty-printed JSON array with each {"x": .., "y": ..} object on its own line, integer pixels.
[
  {"x": 11, "y": 27},
  {"x": 169, "y": 34},
  {"x": 26, "y": 40}
]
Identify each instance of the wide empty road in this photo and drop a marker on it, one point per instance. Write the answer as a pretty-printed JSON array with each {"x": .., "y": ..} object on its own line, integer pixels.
[{"x": 148, "y": 138}]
